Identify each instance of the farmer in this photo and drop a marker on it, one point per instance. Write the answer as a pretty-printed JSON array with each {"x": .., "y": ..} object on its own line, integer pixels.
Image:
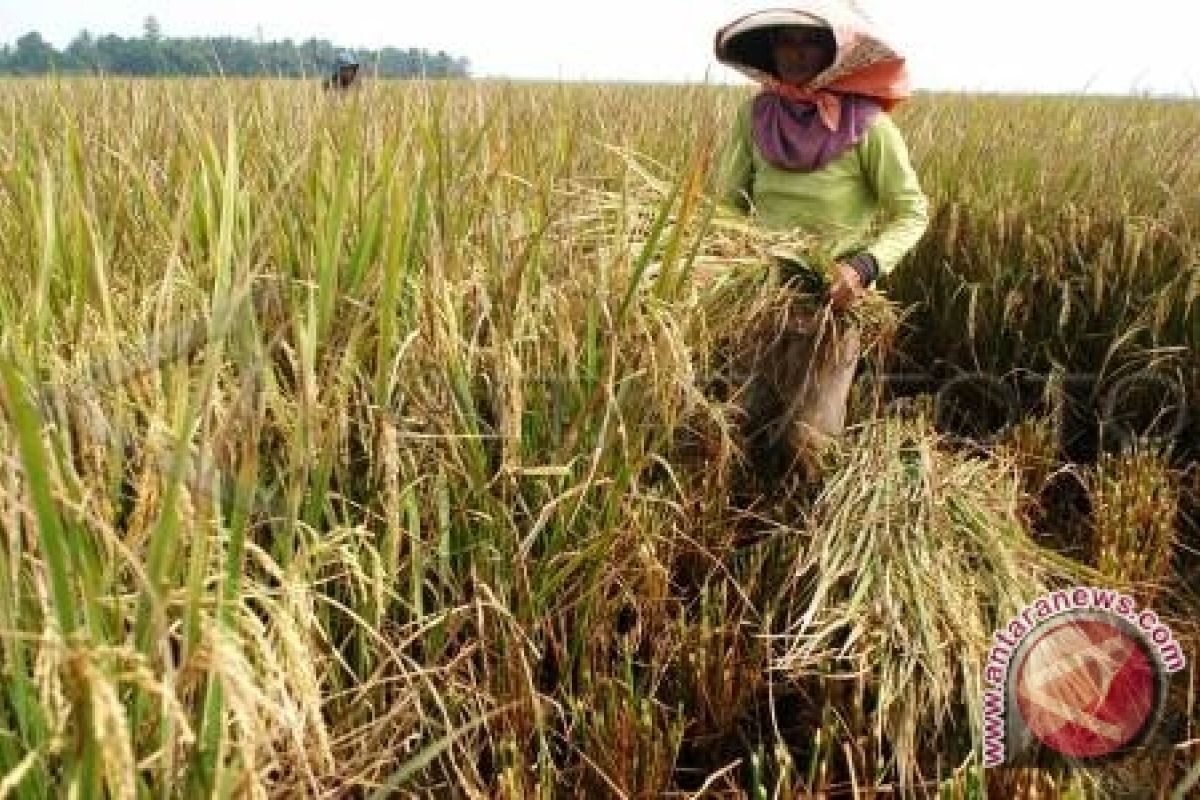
[
  {"x": 345, "y": 72},
  {"x": 816, "y": 152}
]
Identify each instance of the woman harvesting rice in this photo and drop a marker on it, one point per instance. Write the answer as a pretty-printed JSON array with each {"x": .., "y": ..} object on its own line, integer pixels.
[{"x": 815, "y": 152}]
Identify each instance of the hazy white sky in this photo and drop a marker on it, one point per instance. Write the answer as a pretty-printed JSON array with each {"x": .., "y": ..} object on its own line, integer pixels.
[{"x": 1027, "y": 45}]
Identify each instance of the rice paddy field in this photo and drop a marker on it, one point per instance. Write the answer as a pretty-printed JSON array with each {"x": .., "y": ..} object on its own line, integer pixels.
[{"x": 394, "y": 445}]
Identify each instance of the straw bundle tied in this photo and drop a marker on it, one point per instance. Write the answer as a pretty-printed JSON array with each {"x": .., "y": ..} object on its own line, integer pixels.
[{"x": 915, "y": 554}]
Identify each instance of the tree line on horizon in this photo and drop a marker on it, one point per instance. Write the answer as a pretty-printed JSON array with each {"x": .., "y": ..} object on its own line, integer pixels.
[{"x": 154, "y": 54}]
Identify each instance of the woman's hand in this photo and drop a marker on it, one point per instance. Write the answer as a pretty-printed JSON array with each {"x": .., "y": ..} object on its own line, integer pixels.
[{"x": 847, "y": 287}]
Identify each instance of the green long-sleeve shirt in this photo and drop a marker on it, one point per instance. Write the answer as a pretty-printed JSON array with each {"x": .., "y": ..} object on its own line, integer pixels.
[{"x": 868, "y": 198}]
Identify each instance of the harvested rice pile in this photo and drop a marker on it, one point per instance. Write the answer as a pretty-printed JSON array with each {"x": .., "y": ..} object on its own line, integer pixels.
[{"x": 915, "y": 555}]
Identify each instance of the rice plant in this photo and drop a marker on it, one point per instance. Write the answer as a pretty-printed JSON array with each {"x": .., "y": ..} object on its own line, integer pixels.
[{"x": 390, "y": 445}]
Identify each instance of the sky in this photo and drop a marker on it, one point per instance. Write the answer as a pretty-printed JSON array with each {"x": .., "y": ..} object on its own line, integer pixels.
[{"x": 1011, "y": 45}]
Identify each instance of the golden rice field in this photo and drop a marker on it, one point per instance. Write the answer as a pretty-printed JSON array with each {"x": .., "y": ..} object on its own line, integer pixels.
[{"x": 391, "y": 446}]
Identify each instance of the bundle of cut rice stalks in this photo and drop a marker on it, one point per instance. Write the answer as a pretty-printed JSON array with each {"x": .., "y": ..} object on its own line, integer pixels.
[
  {"x": 680, "y": 241},
  {"x": 913, "y": 556},
  {"x": 751, "y": 303}
]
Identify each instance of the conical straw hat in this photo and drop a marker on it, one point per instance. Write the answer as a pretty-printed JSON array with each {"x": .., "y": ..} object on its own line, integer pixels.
[{"x": 744, "y": 44}]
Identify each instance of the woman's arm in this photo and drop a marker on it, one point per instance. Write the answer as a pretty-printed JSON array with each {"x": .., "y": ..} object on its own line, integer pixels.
[
  {"x": 736, "y": 172},
  {"x": 886, "y": 165}
]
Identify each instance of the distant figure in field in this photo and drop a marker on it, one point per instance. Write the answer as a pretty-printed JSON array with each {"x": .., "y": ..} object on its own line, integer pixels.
[
  {"x": 815, "y": 152},
  {"x": 345, "y": 72}
]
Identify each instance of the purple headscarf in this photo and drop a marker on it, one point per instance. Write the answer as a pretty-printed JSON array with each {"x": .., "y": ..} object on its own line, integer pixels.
[{"x": 792, "y": 136}]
